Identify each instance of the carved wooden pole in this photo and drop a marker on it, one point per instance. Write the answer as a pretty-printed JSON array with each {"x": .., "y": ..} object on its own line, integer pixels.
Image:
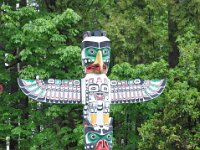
[{"x": 96, "y": 92}]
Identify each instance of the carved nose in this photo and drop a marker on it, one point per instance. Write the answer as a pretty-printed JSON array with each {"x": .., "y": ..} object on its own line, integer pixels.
[
  {"x": 102, "y": 145},
  {"x": 99, "y": 60}
]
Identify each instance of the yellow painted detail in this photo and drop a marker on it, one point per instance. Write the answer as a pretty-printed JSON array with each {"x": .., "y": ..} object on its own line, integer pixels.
[
  {"x": 93, "y": 119},
  {"x": 106, "y": 119},
  {"x": 99, "y": 60}
]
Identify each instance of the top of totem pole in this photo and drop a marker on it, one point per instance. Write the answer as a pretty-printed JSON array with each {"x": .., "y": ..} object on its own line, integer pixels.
[
  {"x": 95, "y": 52},
  {"x": 94, "y": 33}
]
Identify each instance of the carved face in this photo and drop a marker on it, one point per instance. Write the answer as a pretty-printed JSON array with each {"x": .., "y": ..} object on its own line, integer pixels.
[
  {"x": 97, "y": 100},
  {"x": 95, "y": 54},
  {"x": 98, "y": 140},
  {"x": 98, "y": 89}
]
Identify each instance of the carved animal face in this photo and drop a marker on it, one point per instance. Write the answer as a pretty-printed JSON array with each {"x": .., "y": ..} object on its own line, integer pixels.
[
  {"x": 95, "y": 54},
  {"x": 98, "y": 140}
]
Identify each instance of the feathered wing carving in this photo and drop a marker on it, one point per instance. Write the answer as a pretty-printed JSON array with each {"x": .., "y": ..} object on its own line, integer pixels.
[
  {"x": 52, "y": 90},
  {"x": 134, "y": 91}
]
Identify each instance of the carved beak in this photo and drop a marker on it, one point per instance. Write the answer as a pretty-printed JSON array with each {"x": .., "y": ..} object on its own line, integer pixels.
[{"x": 99, "y": 60}]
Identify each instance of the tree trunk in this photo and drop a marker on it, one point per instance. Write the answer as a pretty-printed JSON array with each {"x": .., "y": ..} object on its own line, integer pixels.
[
  {"x": 23, "y": 3},
  {"x": 23, "y": 104},
  {"x": 174, "y": 54},
  {"x": 50, "y": 4},
  {"x": 11, "y": 3}
]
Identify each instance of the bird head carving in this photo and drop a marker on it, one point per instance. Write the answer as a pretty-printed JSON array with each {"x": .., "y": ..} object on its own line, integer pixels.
[{"x": 95, "y": 52}]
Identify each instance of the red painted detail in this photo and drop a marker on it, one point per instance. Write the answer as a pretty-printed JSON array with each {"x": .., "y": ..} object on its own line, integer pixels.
[
  {"x": 95, "y": 68},
  {"x": 102, "y": 145},
  {"x": 99, "y": 96},
  {"x": 1, "y": 88}
]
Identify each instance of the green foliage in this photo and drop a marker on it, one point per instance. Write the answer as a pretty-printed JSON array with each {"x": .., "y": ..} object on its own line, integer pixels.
[
  {"x": 38, "y": 42},
  {"x": 132, "y": 116},
  {"x": 177, "y": 126}
]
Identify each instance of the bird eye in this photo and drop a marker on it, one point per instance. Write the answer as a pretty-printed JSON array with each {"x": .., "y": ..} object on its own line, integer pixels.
[
  {"x": 105, "y": 51},
  {"x": 91, "y": 51}
]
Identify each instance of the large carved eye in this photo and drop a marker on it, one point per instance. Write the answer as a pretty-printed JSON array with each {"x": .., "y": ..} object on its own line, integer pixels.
[
  {"x": 91, "y": 51},
  {"x": 93, "y": 88},
  {"x": 104, "y": 88},
  {"x": 93, "y": 136},
  {"x": 109, "y": 137},
  {"x": 105, "y": 51}
]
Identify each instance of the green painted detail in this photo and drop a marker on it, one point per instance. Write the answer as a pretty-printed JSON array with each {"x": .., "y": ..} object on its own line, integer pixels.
[
  {"x": 130, "y": 82},
  {"x": 36, "y": 90},
  {"x": 155, "y": 80},
  {"x": 156, "y": 86},
  {"x": 146, "y": 93},
  {"x": 32, "y": 86},
  {"x": 58, "y": 82},
  {"x": 94, "y": 137},
  {"x": 30, "y": 81},
  {"x": 91, "y": 52},
  {"x": 42, "y": 93},
  {"x": 151, "y": 89}
]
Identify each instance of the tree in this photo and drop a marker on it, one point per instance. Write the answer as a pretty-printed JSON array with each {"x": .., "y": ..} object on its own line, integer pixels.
[
  {"x": 36, "y": 43},
  {"x": 177, "y": 125}
]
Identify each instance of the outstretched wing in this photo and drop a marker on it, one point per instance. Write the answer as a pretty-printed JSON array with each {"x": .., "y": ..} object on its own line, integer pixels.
[
  {"x": 52, "y": 90},
  {"x": 134, "y": 91}
]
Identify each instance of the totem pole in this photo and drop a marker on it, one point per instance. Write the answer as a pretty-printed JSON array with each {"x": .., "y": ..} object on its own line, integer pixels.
[{"x": 96, "y": 92}]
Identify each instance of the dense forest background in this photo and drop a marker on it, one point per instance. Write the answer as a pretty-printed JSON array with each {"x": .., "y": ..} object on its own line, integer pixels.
[{"x": 151, "y": 39}]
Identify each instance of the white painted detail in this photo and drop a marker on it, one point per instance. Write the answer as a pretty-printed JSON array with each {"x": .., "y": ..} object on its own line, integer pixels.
[
  {"x": 96, "y": 39},
  {"x": 137, "y": 81},
  {"x": 51, "y": 81}
]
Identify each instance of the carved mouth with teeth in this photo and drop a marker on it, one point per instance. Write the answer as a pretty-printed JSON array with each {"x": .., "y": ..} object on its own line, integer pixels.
[{"x": 87, "y": 61}]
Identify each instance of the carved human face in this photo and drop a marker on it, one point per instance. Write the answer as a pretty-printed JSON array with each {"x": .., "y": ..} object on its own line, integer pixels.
[
  {"x": 98, "y": 89},
  {"x": 96, "y": 54}
]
